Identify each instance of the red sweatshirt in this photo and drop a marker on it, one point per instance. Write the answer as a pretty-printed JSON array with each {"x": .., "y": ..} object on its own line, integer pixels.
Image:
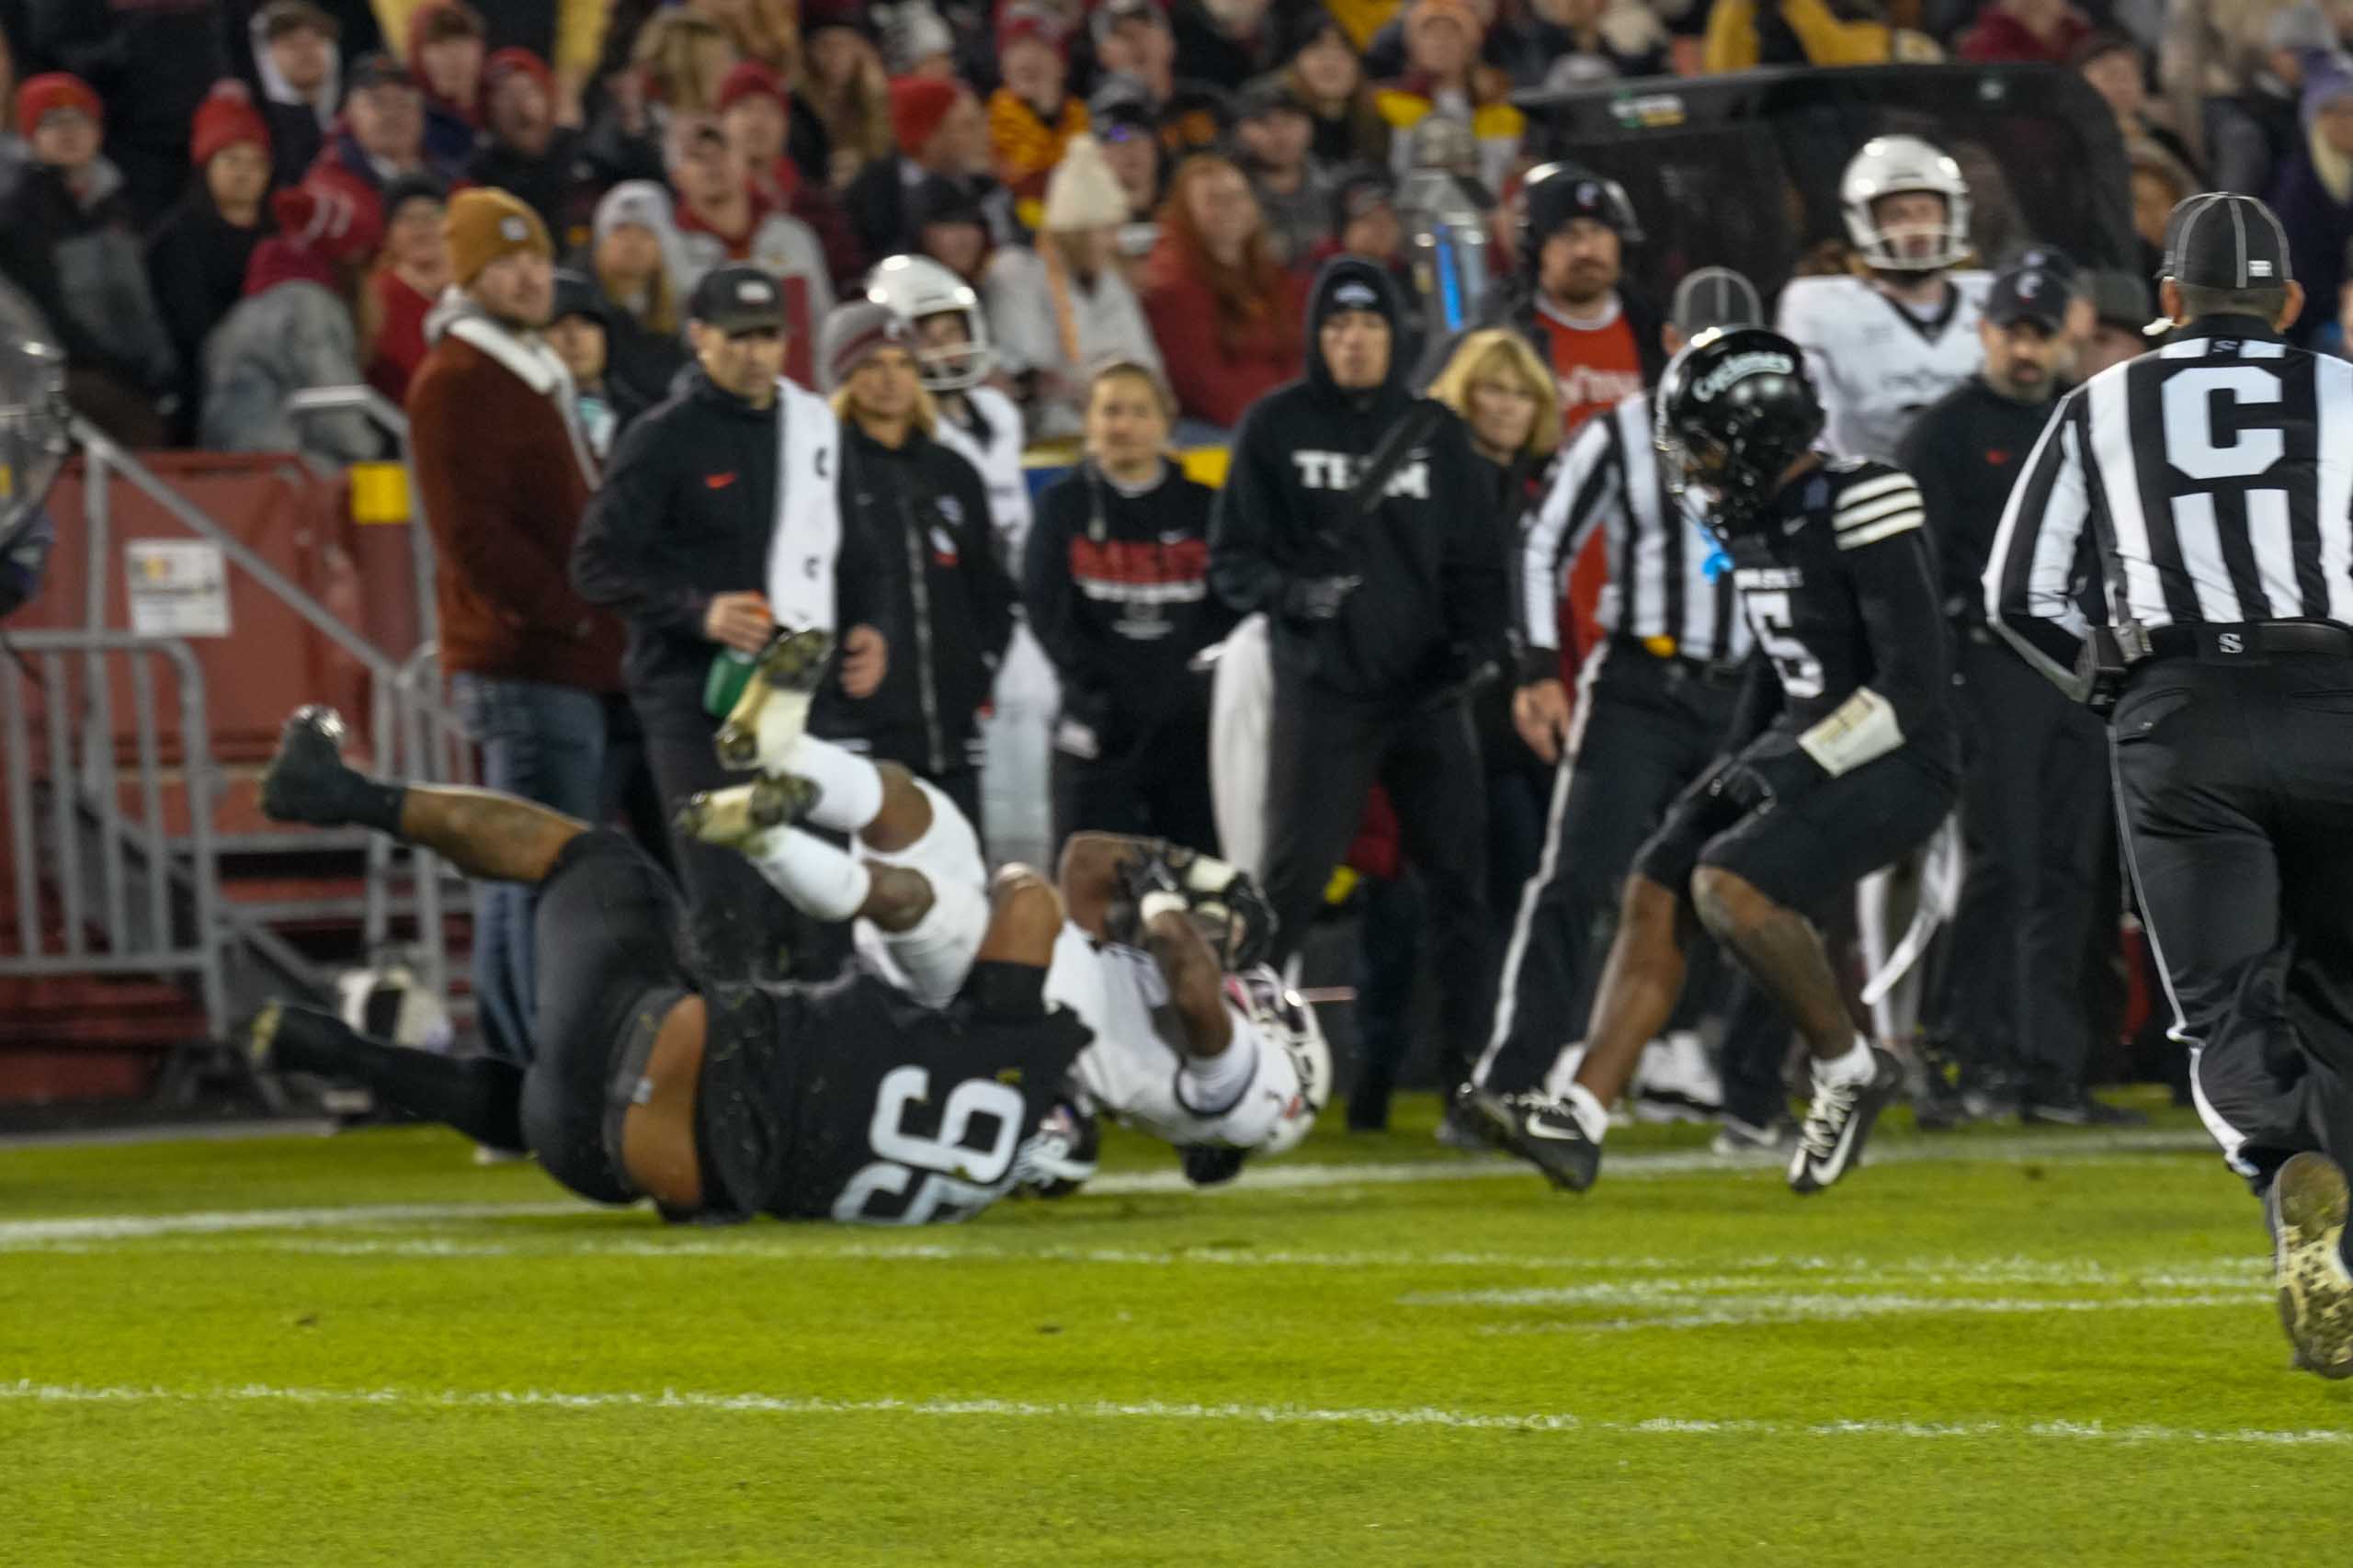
[{"x": 1212, "y": 383}]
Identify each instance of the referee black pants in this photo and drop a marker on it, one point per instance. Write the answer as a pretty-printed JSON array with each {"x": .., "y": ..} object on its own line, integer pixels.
[
  {"x": 1646, "y": 728},
  {"x": 2034, "y": 824},
  {"x": 2235, "y": 785},
  {"x": 1324, "y": 754}
]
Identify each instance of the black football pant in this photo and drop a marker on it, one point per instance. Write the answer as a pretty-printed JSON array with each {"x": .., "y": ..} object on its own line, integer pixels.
[
  {"x": 2034, "y": 826},
  {"x": 742, "y": 928},
  {"x": 1158, "y": 786},
  {"x": 1646, "y": 727},
  {"x": 1325, "y": 752},
  {"x": 2236, "y": 793}
]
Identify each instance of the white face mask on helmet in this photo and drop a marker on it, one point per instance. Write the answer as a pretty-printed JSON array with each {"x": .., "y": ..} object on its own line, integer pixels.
[
  {"x": 916, "y": 288},
  {"x": 1288, "y": 1023},
  {"x": 1898, "y": 165}
]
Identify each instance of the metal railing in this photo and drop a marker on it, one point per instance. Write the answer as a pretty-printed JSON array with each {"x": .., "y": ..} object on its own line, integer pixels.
[{"x": 131, "y": 896}]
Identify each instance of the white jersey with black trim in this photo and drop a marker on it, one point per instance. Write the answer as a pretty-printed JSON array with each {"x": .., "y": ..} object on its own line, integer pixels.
[
  {"x": 1130, "y": 1071},
  {"x": 993, "y": 446},
  {"x": 1876, "y": 362}
]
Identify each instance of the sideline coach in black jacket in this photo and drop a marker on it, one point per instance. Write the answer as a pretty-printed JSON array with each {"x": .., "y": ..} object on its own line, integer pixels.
[
  {"x": 678, "y": 541},
  {"x": 1378, "y": 612}
]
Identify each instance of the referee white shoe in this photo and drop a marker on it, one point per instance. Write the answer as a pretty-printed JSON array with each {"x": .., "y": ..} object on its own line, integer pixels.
[{"x": 2306, "y": 1206}]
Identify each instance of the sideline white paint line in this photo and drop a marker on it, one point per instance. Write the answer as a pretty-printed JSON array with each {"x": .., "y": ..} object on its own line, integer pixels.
[
  {"x": 1149, "y": 1410},
  {"x": 1760, "y": 1273},
  {"x": 1780, "y": 1310},
  {"x": 2072, "y": 1148}
]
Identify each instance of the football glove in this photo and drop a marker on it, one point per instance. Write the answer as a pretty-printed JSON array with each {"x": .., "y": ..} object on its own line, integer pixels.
[
  {"x": 1314, "y": 599},
  {"x": 1773, "y": 771}
]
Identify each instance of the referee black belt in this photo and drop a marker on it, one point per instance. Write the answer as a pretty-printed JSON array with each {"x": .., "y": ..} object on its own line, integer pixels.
[
  {"x": 2243, "y": 643},
  {"x": 1710, "y": 672}
]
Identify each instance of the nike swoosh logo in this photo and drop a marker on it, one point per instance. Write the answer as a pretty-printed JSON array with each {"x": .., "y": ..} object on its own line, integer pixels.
[
  {"x": 1537, "y": 1129},
  {"x": 719, "y": 481}
]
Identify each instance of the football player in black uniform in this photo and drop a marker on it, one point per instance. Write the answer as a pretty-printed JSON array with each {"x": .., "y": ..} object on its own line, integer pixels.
[
  {"x": 846, "y": 1101},
  {"x": 1842, "y": 758}
]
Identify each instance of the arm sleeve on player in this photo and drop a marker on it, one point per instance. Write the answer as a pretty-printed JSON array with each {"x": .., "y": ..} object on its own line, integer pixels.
[
  {"x": 1589, "y": 480},
  {"x": 1895, "y": 594},
  {"x": 2031, "y": 579}
]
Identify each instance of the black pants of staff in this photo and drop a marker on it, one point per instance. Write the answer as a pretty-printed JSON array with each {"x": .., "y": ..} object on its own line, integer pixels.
[
  {"x": 1647, "y": 726},
  {"x": 2233, "y": 783},
  {"x": 1324, "y": 755},
  {"x": 742, "y": 928},
  {"x": 2034, "y": 826},
  {"x": 1155, "y": 786}
]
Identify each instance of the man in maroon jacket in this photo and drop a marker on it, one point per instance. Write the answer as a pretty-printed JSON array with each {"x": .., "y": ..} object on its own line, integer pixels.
[{"x": 504, "y": 472}]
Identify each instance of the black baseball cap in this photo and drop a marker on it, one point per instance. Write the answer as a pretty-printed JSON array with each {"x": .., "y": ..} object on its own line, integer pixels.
[
  {"x": 576, "y": 295},
  {"x": 1713, "y": 297},
  {"x": 2223, "y": 240},
  {"x": 2028, "y": 293},
  {"x": 737, "y": 298},
  {"x": 1266, "y": 95},
  {"x": 2050, "y": 259},
  {"x": 376, "y": 70}
]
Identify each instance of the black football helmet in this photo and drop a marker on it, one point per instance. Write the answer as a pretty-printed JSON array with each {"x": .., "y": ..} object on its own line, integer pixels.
[
  {"x": 1733, "y": 411},
  {"x": 1556, "y": 193}
]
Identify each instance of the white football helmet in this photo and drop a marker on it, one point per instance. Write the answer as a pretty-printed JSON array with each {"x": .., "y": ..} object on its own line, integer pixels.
[
  {"x": 1287, "y": 1021},
  {"x": 1889, "y": 166},
  {"x": 915, "y": 287}
]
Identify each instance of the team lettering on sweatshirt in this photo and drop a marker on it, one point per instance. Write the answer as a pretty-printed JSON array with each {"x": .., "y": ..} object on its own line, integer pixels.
[{"x": 1339, "y": 470}]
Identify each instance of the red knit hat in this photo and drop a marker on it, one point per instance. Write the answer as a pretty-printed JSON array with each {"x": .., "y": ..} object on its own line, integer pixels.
[
  {"x": 751, "y": 79},
  {"x": 37, "y": 96},
  {"x": 1022, "y": 20},
  {"x": 505, "y": 62},
  {"x": 280, "y": 260},
  {"x": 918, "y": 106},
  {"x": 225, "y": 117}
]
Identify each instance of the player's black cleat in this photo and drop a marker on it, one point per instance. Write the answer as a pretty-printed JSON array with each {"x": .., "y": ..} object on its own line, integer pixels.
[
  {"x": 773, "y": 708},
  {"x": 1542, "y": 1131},
  {"x": 307, "y": 781},
  {"x": 1209, "y": 1164},
  {"x": 2306, "y": 1207},
  {"x": 1839, "y": 1123},
  {"x": 731, "y": 817}
]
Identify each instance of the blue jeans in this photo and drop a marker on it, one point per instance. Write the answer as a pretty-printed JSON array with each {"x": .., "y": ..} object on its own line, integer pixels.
[{"x": 545, "y": 744}]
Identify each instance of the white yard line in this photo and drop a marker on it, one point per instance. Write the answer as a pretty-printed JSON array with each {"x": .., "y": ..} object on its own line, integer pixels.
[
  {"x": 1782, "y": 1309},
  {"x": 1283, "y": 1177},
  {"x": 41, "y": 1393}
]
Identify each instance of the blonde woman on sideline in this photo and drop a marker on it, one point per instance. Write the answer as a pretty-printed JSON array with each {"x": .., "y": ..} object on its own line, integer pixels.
[
  {"x": 1066, "y": 305},
  {"x": 1511, "y": 402}
]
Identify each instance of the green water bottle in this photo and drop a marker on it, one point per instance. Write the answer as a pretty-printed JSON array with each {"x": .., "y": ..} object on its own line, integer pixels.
[{"x": 729, "y": 672}]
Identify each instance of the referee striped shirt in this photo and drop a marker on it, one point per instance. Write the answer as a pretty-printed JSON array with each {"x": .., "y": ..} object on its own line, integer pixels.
[
  {"x": 1659, "y": 587},
  {"x": 2208, "y": 482}
]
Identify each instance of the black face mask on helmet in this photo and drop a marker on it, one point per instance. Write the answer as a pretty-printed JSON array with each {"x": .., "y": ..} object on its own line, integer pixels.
[{"x": 1733, "y": 411}]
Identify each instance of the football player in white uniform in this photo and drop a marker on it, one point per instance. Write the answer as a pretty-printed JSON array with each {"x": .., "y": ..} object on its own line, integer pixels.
[
  {"x": 955, "y": 357},
  {"x": 1884, "y": 346},
  {"x": 1880, "y": 348},
  {"x": 1194, "y": 1041}
]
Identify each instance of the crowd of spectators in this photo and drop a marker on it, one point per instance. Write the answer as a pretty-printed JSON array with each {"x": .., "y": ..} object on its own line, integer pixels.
[{"x": 1150, "y": 178}]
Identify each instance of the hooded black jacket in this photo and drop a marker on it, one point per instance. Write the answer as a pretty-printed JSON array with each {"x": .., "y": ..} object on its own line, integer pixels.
[
  {"x": 919, "y": 516},
  {"x": 1432, "y": 600}
]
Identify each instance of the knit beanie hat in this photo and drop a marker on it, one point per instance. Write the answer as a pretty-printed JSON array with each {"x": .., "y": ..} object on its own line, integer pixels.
[
  {"x": 918, "y": 106},
  {"x": 225, "y": 117},
  {"x": 751, "y": 79},
  {"x": 505, "y": 62},
  {"x": 1082, "y": 192},
  {"x": 37, "y": 96},
  {"x": 2326, "y": 78},
  {"x": 487, "y": 224},
  {"x": 638, "y": 201},
  {"x": 853, "y": 332}
]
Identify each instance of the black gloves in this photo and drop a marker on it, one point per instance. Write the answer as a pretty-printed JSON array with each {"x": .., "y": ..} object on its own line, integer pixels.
[{"x": 1316, "y": 599}]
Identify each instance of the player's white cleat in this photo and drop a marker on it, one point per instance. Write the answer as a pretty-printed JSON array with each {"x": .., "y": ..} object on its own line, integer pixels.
[
  {"x": 2307, "y": 1207},
  {"x": 1838, "y": 1123},
  {"x": 773, "y": 709},
  {"x": 731, "y": 817}
]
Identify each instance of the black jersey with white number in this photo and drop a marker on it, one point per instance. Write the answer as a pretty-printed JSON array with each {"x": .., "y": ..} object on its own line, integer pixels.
[
  {"x": 850, "y": 1102},
  {"x": 1838, "y": 584}
]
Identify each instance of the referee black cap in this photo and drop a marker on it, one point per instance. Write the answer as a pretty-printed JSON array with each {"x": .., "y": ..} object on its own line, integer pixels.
[
  {"x": 1715, "y": 296},
  {"x": 2223, "y": 240}
]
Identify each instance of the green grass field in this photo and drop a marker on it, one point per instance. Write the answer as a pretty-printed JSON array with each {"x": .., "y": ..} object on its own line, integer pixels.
[{"x": 1988, "y": 1348}]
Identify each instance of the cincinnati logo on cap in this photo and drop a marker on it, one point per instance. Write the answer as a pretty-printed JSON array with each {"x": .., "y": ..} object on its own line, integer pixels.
[{"x": 1739, "y": 368}]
